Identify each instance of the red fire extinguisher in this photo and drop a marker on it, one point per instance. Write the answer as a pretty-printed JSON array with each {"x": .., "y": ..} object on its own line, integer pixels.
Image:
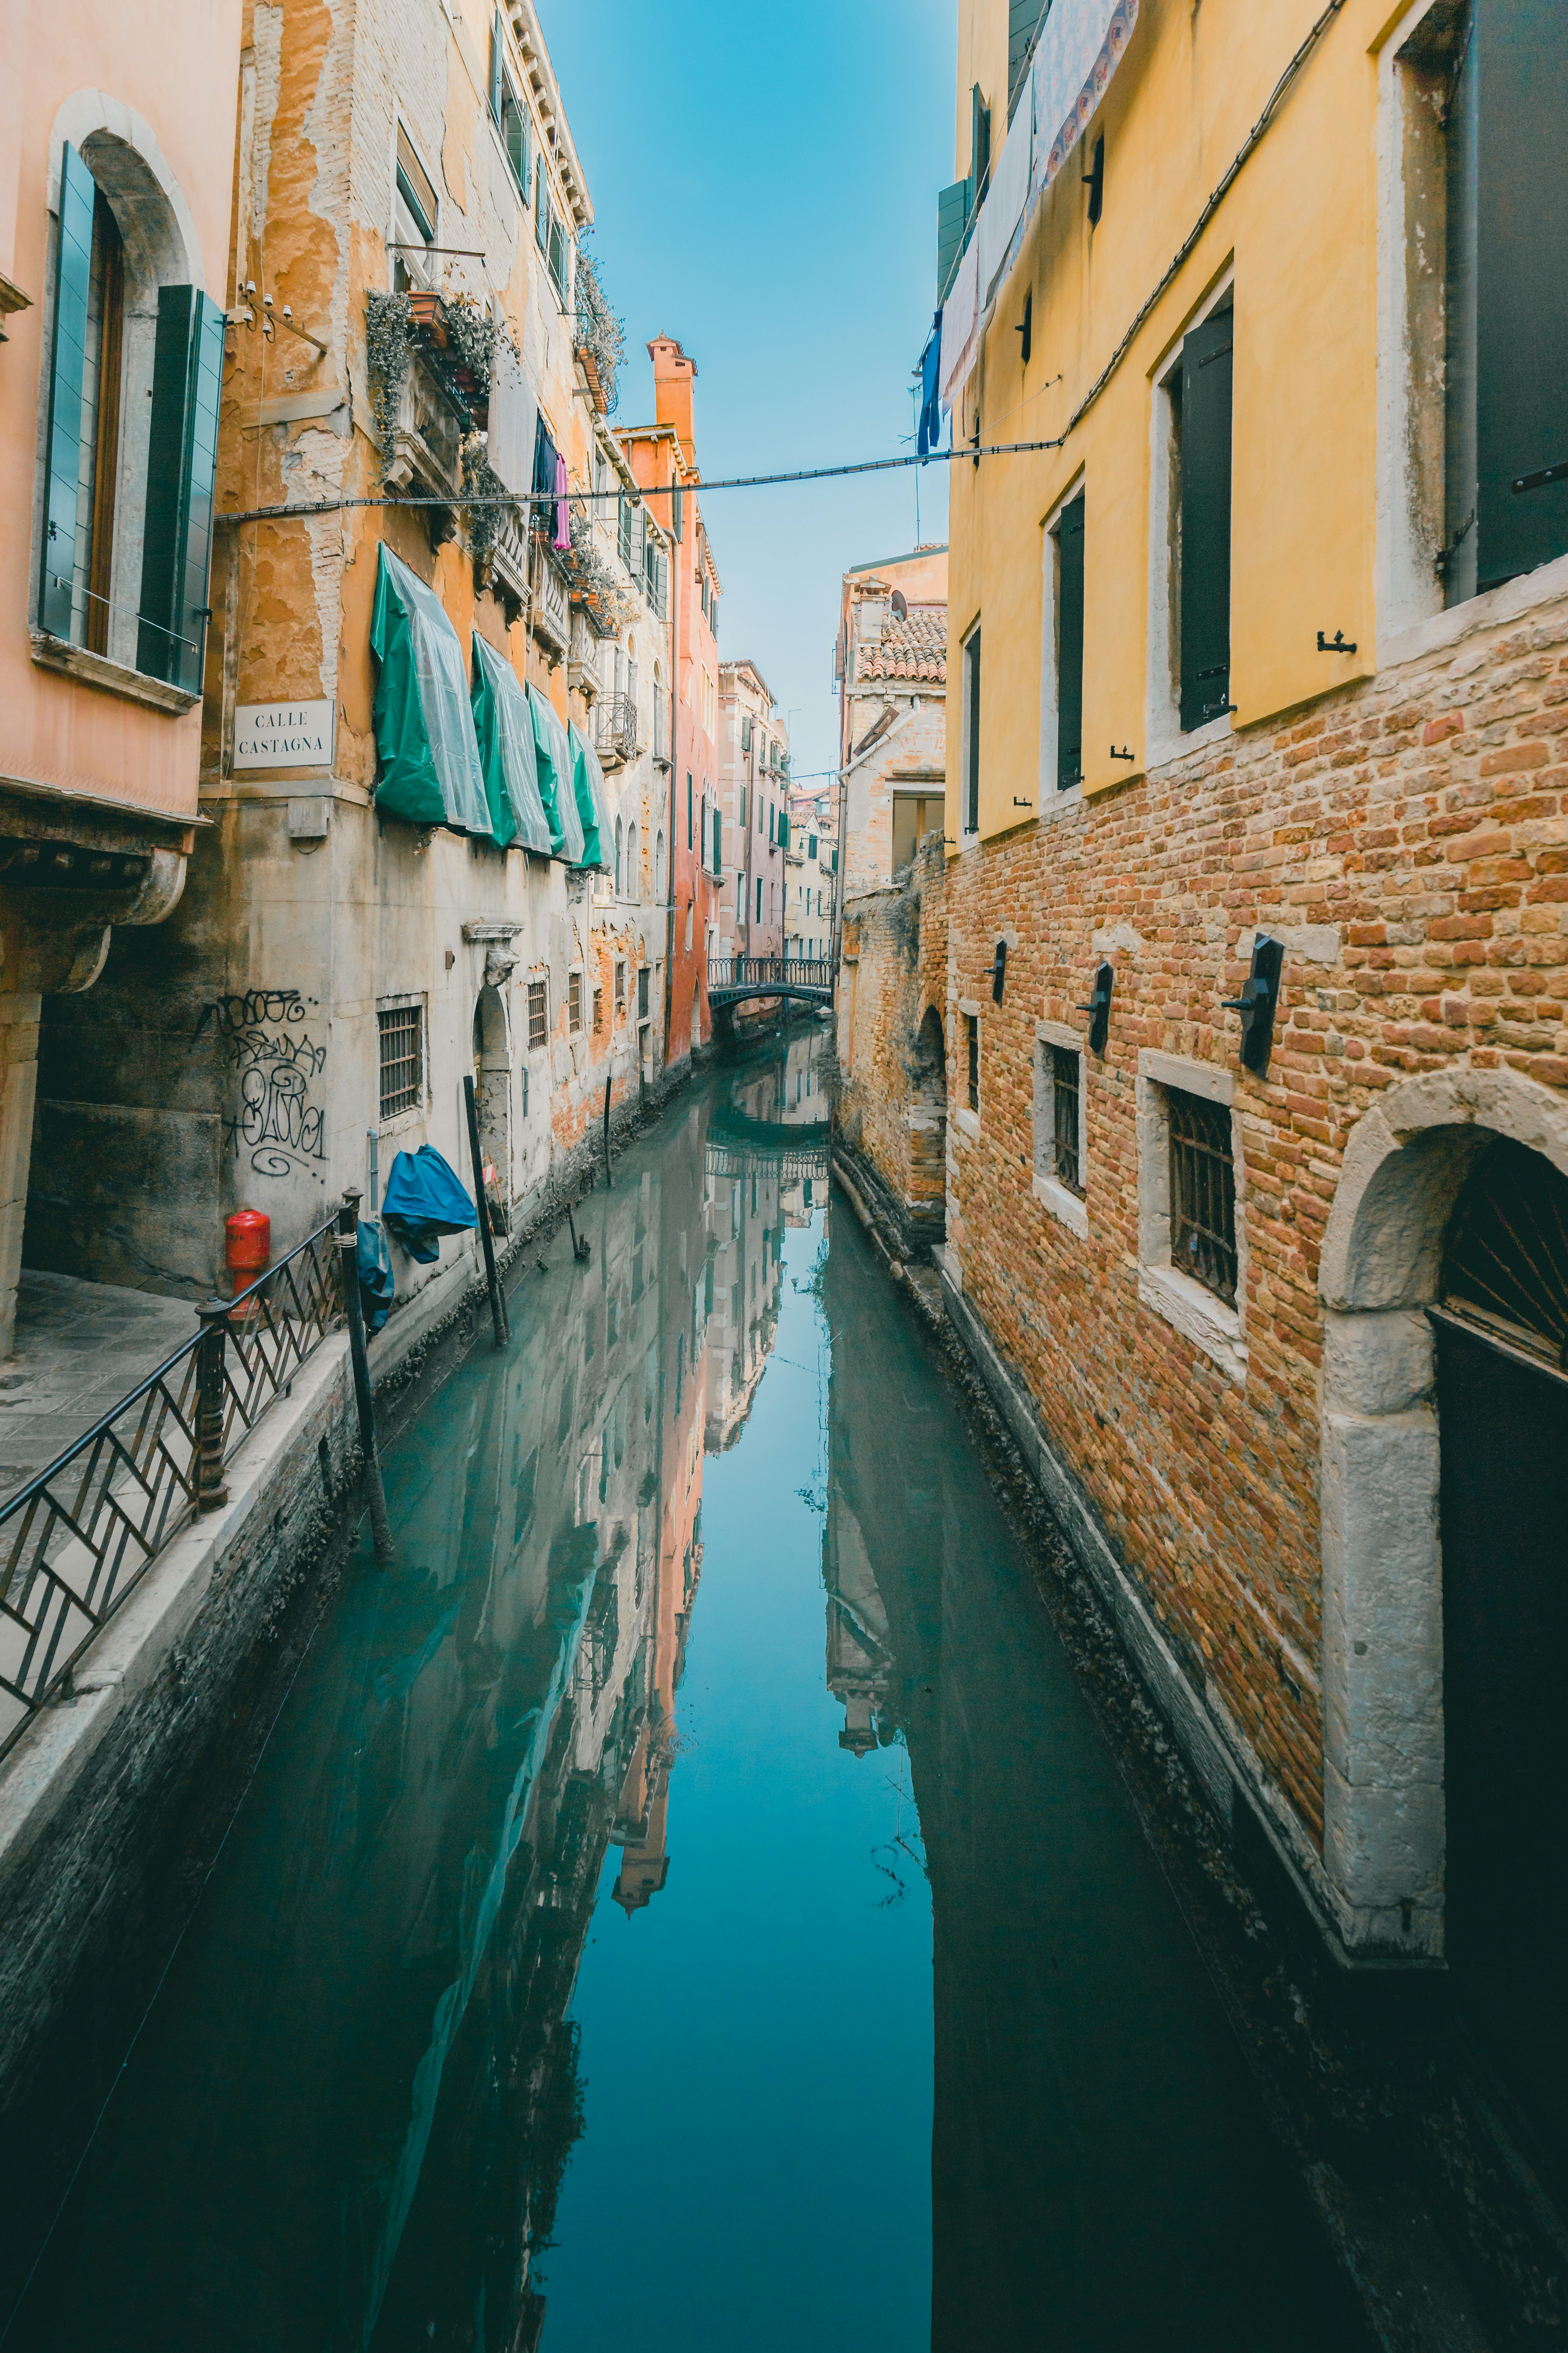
[{"x": 246, "y": 1246}]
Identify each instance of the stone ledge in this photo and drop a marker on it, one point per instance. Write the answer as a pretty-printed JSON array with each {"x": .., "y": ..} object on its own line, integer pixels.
[{"x": 115, "y": 677}]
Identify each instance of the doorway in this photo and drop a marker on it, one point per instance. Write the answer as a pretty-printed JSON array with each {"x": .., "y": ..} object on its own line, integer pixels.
[
  {"x": 1502, "y": 1391},
  {"x": 492, "y": 1087}
]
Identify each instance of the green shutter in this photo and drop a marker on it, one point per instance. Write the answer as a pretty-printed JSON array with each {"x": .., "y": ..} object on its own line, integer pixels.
[
  {"x": 1520, "y": 59},
  {"x": 979, "y": 144},
  {"x": 1207, "y": 364},
  {"x": 718, "y": 842},
  {"x": 691, "y": 835},
  {"x": 951, "y": 219},
  {"x": 182, "y": 463},
  {"x": 1070, "y": 646},
  {"x": 784, "y": 829},
  {"x": 72, "y": 269},
  {"x": 1023, "y": 22}
]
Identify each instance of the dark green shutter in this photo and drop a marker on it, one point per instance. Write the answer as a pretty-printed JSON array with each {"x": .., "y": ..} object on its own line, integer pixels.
[
  {"x": 182, "y": 462},
  {"x": 1519, "y": 53},
  {"x": 951, "y": 219},
  {"x": 1023, "y": 22},
  {"x": 1206, "y": 366},
  {"x": 690, "y": 831},
  {"x": 718, "y": 842},
  {"x": 72, "y": 269},
  {"x": 979, "y": 144},
  {"x": 1070, "y": 646}
]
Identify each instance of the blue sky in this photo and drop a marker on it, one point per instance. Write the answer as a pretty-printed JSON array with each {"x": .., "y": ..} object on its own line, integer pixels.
[{"x": 764, "y": 185}]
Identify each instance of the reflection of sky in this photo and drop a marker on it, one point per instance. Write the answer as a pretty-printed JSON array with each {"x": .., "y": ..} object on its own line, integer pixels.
[{"x": 757, "y": 2045}]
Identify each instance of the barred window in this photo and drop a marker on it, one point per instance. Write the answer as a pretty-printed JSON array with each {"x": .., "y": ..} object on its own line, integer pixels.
[
  {"x": 538, "y": 1014},
  {"x": 620, "y": 988},
  {"x": 402, "y": 1029},
  {"x": 575, "y": 1002},
  {"x": 1066, "y": 1081},
  {"x": 972, "y": 1034},
  {"x": 1203, "y": 1193}
]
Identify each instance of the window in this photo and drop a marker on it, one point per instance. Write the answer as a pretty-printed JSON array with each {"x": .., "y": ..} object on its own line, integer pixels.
[
  {"x": 538, "y": 1014},
  {"x": 811, "y": 845},
  {"x": 972, "y": 1045},
  {"x": 1066, "y": 1079},
  {"x": 691, "y": 835},
  {"x": 414, "y": 190},
  {"x": 658, "y": 867},
  {"x": 1067, "y": 604},
  {"x": 1203, "y": 1193},
  {"x": 510, "y": 115},
  {"x": 914, "y": 816},
  {"x": 402, "y": 1039},
  {"x": 575, "y": 1002},
  {"x": 759, "y": 898},
  {"x": 1200, "y": 396},
  {"x": 971, "y": 735},
  {"x": 624, "y": 532},
  {"x": 1023, "y": 26},
  {"x": 620, "y": 988},
  {"x": 642, "y": 993},
  {"x": 745, "y": 731}
]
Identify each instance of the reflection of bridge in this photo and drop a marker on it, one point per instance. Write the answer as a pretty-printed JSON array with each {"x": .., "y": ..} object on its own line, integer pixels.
[
  {"x": 730, "y": 979},
  {"x": 736, "y": 1160}
]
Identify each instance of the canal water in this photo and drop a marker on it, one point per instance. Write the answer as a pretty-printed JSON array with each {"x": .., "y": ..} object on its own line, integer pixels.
[{"x": 685, "y": 1901}]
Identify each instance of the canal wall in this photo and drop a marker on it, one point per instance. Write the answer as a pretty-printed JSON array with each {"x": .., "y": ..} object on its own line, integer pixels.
[{"x": 165, "y": 1702}]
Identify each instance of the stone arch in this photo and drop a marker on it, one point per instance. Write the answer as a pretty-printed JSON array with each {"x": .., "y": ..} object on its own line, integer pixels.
[
  {"x": 1404, "y": 1166},
  {"x": 493, "y": 1082},
  {"x": 159, "y": 247}
]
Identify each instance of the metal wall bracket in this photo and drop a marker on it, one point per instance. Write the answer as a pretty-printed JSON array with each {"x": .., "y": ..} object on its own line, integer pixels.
[{"x": 1259, "y": 997}]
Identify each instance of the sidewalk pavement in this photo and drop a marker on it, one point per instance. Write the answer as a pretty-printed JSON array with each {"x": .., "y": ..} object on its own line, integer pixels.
[{"x": 79, "y": 1347}]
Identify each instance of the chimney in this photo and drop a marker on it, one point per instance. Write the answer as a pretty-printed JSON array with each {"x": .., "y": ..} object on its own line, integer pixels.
[{"x": 672, "y": 376}]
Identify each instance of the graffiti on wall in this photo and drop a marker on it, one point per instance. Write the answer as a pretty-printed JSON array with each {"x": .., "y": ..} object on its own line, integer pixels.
[{"x": 265, "y": 1043}]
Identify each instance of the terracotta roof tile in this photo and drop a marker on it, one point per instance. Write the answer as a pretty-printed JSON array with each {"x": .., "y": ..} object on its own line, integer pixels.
[{"x": 914, "y": 649}]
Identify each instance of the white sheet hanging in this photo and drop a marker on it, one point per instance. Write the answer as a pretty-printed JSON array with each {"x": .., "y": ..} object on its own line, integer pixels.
[
  {"x": 960, "y": 325},
  {"x": 1004, "y": 206},
  {"x": 1079, "y": 49}
]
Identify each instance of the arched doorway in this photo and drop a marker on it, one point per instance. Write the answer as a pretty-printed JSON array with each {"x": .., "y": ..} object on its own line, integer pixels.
[
  {"x": 492, "y": 1085},
  {"x": 926, "y": 1123},
  {"x": 1502, "y": 1413}
]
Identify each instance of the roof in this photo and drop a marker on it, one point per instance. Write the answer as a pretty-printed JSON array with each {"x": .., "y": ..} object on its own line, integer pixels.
[
  {"x": 913, "y": 647},
  {"x": 909, "y": 556},
  {"x": 746, "y": 663}
]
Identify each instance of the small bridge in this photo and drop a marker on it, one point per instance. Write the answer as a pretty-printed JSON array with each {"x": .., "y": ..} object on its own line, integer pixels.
[{"x": 732, "y": 979}]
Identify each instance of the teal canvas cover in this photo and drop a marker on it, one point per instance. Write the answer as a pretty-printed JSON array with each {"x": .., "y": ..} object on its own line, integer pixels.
[
  {"x": 588, "y": 780},
  {"x": 504, "y": 725},
  {"x": 555, "y": 784},
  {"x": 428, "y": 755}
]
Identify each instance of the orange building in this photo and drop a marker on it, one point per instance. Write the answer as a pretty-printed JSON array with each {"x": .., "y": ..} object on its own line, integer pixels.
[{"x": 663, "y": 458}]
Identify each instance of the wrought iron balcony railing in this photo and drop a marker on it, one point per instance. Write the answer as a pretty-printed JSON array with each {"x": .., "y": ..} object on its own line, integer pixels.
[{"x": 617, "y": 736}]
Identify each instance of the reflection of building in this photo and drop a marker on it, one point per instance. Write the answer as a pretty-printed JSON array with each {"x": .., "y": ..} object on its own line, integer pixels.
[{"x": 859, "y": 1663}]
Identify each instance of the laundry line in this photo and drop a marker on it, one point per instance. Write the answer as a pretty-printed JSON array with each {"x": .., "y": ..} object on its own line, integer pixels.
[{"x": 970, "y": 451}]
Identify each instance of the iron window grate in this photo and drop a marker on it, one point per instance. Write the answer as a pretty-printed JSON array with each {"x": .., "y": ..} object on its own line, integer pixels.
[
  {"x": 642, "y": 991},
  {"x": 972, "y": 1028},
  {"x": 402, "y": 1058},
  {"x": 1066, "y": 1082},
  {"x": 575, "y": 1002},
  {"x": 538, "y": 1015},
  {"x": 1203, "y": 1193}
]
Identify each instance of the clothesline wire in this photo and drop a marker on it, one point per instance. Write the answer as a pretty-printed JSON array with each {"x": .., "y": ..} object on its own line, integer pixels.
[{"x": 652, "y": 491}]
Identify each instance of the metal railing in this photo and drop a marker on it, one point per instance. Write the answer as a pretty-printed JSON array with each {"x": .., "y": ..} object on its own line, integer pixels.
[
  {"x": 617, "y": 729},
  {"x": 77, "y": 1540},
  {"x": 747, "y": 971}
]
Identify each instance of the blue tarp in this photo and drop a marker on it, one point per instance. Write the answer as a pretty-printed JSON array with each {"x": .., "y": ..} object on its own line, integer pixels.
[
  {"x": 424, "y": 1200},
  {"x": 375, "y": 1276}
]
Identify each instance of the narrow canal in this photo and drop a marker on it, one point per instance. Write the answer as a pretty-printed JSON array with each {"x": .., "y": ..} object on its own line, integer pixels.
[{"x": 686, "y": 1902}]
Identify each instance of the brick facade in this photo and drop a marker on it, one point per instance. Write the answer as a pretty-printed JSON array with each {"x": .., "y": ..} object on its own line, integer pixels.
[
  {"x": 892, "y": 1009},
  {"x": 1407, "y": 841}
]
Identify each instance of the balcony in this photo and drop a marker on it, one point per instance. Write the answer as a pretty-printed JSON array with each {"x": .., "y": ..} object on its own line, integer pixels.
[
  {"x": 616, "y": 743},
  {"x": 552, "y": 605}
]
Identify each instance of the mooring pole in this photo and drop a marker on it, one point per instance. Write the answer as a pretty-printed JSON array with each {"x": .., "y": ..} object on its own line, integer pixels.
[
  {"x": 353, "y": 1307},
  {"x": 498, "y": 1316},
  {"x": 606, "y": 1132}
]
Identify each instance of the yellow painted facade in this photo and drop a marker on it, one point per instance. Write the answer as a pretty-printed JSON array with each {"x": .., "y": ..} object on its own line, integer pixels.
[{"x": 1295, "y": 237}]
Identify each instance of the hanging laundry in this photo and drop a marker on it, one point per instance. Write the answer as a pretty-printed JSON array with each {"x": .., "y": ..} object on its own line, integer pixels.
[
  {"x": 930, "y": 398},
  {"x": 563, "y": 512}
]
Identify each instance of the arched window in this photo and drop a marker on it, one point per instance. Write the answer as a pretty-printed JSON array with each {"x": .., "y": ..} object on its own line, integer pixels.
[
  {"x": 620, "y": 861},
  {"x": 659, "y": 889},
  {"x": 633, "y": 863},
  {"x": 129, "y": 427}
]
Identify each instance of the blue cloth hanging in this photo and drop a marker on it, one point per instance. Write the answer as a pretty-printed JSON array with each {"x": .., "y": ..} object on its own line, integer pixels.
[
  {"x": 930, "y": 404},
  {"x": 376, "y": 1282},
  {"x": 424, "y": 1200}
]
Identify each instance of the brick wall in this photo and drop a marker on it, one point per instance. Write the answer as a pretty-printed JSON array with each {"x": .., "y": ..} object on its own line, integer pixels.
[{"x": 1408, "y": 840}]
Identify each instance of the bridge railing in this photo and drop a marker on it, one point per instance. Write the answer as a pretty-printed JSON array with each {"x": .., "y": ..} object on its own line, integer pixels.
[{"x": 748, "y": 972}]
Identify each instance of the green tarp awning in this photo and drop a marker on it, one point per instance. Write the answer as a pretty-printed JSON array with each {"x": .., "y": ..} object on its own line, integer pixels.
[
  {"x": 428, "y": 755},
  {"x": 588, "y": 778},
  {"x": 504, "y": 725},
  {"x": 556, "y": 790}
]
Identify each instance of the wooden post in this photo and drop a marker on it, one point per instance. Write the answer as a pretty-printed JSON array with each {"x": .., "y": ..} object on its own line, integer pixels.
[
  {"x": 348, "y": 1267},
  {"x": 211, "y": 1493},
  {"x": 607, "y": 1179},
  {"x": 498, "y": 1316}
]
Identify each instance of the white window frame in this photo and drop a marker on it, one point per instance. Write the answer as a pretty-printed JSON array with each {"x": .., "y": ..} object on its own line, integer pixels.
[
  {"x": 1162, "y": 730},
  {"x": 1050, "y": 1191},
  {"x": 1194, "y": 1311},
  {"x": 1050, "y": 801}
]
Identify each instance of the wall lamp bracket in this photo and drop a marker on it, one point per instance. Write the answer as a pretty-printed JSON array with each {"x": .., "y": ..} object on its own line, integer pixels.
[
  {"x": 1257, "y": 1003},
  {"x": 1099, "y": 1008},
  {"x": 1219, "y": 710},
  {"x": 1338, "y": 644},
  {"x": 1124, "y": 754}
]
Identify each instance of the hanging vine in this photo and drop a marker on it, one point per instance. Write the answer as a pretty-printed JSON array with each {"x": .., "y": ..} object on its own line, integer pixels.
[
  {"x": 485, "y": 522},
  {"x": 389, "y": 340},
  {"x": 599, "y": 332}
]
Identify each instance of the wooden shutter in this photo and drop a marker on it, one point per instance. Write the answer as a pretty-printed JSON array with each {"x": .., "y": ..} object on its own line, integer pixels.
[
  {"x": 624, "y": 530},
  {"x": 1519, "y": 55},
  {"x": 1023, "y": 22},
  {"x": 182, "y": 462},
  {"x": 718, "y": 842},
  {"x": 1206, "y": 367},
  {"x": 72, "y": 270},
  {"x": 979, "y": 144},
  {"x": 1070, "y": 646}
]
